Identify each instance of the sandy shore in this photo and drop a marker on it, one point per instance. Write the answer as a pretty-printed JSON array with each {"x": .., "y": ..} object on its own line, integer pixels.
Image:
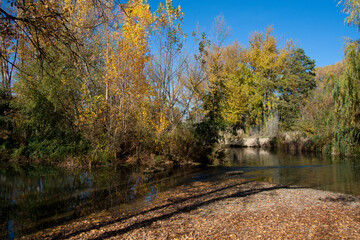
[{"x": 235, "y": 209}]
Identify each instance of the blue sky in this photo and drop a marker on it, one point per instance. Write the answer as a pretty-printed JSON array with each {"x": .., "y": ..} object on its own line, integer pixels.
[{"x": 317, "y": 26}]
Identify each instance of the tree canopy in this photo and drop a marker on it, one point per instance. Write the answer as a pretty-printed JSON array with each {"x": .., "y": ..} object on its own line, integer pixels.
[{"x": 98, "y": 80}]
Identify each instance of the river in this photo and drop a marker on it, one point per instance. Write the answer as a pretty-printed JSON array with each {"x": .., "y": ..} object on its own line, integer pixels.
[{"x": 37, "y": 197}]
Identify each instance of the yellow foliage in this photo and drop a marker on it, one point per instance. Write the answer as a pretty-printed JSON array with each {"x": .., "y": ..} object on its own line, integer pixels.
[{"x": 128, "y": 101}]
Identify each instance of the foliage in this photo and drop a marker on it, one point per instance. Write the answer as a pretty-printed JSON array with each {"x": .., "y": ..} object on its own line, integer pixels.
[
  {"x": 251, "y": 87},
  {"x": 346, "y": 92},
  {"x": 101, "y": 81},
  {"x": 294, "y": 86},
  {"x": 47, "y": 118},
  {"x": 317, "y": 117},
  {"x": 351, "y": 7},
  {"x": 346, "y": 96}
]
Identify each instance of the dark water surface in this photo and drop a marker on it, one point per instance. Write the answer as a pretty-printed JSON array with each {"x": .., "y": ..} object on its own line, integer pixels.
[{"x": 36, "y": 197}]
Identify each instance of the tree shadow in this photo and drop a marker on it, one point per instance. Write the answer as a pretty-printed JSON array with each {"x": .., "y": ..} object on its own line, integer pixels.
[
  {"x": 185, "y": 209},
  {"x": 63, "y": 235},
  {"x": 340, "y": 198}
]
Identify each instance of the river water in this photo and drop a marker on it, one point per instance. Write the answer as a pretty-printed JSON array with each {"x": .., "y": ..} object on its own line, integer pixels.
[{"x": 37, "y": 197}]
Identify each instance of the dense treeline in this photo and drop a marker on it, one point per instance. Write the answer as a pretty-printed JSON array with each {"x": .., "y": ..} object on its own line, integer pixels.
[
  {"x": 331, "y": 117},
  {"x": 97, "y": 81}
]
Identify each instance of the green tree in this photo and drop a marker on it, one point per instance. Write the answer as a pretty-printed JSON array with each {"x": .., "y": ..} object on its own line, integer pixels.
[
  {"x": 347, "y": 103},
  {"x": 294, "y": 86},
  {"x": 317, "y": 115},
  {"x": 346, "y": 91},
  {"x": 46, "y": 99}
]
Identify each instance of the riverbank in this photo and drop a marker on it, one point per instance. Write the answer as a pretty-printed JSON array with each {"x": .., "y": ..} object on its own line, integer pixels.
[{"x": 234, "y": 209}]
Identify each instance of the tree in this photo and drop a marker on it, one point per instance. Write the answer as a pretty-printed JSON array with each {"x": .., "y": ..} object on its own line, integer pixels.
[
  {"x": 43, "y": 23},
  {"x": 168, "y": 63},
  {"x": 317, "y": 114},
  {"x": 235, "y": 107},
  {"x": 347, "y": 107},
  {"x": 351, "y": 7},
  {"x": 46, "y": 102},
  {"x": 295, "y": 85},
  {"x": 266, "y": 62},
  {"x": 115, "y": 109},
  {"x": 346, "y": 92}
]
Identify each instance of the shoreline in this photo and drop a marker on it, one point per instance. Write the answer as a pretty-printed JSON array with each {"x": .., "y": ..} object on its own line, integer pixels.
[{"x": 232, "y": 209}]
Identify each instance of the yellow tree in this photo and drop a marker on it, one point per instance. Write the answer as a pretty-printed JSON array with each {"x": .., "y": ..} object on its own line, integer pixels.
[
  {"x": 214, "y": 96},
  {"x": 125, "y": 109},
  {"x": 266, "y": 61},
  {"x": 167, "y": 65},
  {"x": 116, "y": 109}
]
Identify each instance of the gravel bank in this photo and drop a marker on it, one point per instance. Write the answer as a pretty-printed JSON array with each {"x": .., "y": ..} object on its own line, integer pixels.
[{"x": 234, "y": 209}]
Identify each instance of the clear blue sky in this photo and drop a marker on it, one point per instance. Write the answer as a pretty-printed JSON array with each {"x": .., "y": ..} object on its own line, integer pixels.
[{"x": 317, "y": 26}]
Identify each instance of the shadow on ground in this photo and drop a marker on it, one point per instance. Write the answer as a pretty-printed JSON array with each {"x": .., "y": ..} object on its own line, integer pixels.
[{"x": 171, "y": 212}]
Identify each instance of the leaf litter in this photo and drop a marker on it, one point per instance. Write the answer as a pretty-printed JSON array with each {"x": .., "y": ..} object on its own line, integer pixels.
[{"x": 233, "y": 209}]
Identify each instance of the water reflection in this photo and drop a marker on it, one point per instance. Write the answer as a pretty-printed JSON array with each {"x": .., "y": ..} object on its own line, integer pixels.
[
  {"x": 316, "y": 171},
  {"x": 33, "y": 199}
]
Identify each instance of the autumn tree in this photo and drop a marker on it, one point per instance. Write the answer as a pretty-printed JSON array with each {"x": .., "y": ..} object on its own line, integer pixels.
[
  {"x": 52, "y": 56},
  {"x": 214, "y": 97},
  {"x": 240, "y": 93},
  {"x": 352, "y": 8},
  {"x": 347, "y": 128},
  {"x": 346, "y": 93},
  {"x": 261, "y": 82},
  {"x": 317, "y": 116},
  {"x": 266, "y": 61},
  {"x": 168, "y": 62}
]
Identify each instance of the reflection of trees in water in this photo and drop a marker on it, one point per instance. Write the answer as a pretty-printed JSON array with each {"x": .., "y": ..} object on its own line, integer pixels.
[
  {"x": 310, "y": 170},
  {"x": 35, "y": 202},
  {"x": 29, "y": 202},
  {"x": 251, "y": 157}
]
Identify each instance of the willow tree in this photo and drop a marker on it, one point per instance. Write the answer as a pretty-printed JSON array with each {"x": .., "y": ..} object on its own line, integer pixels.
[
  {"x": 347, "y": 103},
  {"x": 346, "y": 93},
  {"x": 352, "y": 8}
]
